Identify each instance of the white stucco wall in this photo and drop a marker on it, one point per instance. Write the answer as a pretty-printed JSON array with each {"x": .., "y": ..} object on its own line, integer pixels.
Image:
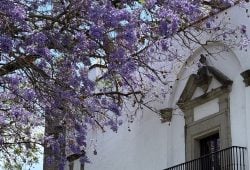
[
  {"x": 151, "y": 145},
  {"x": 144, "y": 147}
]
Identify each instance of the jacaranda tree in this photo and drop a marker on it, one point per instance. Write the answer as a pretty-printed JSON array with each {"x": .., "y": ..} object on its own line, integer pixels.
[{"x": 70, "y": 65}]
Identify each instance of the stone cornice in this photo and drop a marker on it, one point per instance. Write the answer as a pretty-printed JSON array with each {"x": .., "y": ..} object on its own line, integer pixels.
[
  {"x": 204, "y": 98},
  {"x": 246, "y": 77}
]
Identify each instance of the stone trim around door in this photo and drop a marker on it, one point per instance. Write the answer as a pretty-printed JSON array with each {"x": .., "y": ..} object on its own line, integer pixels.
[
  {"x": 218, "y": 122},
  {"x": 215, "y": 123}
]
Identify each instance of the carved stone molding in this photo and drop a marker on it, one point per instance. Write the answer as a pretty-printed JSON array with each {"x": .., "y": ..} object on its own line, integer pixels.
[
  {"x": 202, "y": 79},
  {"x": 246, "y": 77}
]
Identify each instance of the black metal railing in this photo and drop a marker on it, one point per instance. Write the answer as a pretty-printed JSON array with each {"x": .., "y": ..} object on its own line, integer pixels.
[{"x": 232, "y": 158}]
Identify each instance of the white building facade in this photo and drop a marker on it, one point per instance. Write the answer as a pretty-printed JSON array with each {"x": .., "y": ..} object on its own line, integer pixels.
[{"x": 207, "y": 116}]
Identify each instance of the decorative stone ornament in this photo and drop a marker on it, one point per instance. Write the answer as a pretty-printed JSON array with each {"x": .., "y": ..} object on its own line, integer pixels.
[
  {"x": 166, "y": 115},
  {"x": 246, "y": 77}
]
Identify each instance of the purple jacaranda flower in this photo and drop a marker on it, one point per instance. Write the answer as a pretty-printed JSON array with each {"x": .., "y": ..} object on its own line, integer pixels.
[
  {"x": 2, "y": 120},
  {"x": 150, "y": 3},
  {"x": 41, "y": 63},
  {"x": 62, "y": 163},
  {"x": 81, "y": 140},
  {"x": 151, "y": 77},
  {"x": 208, "y": 24},
  {"x": 81, "y": 128},
  {"x": 5, "y": 44},
  {"x": 74, "y": 81},
  {"x": 43, "y": 52},
  {"x": 175, "y": 24},
  {"x": 130, "y": 37},
  {"x": 92, "y": 46},
  {"x": 61, "y": 139},
  {"x": 115, "y": 109},
  {"x": 89, "y": 85},
  {"x": 17, "y": 113},
  {"x": 40, "y": 39},
  {"x": 163, "y": 29},
  {"x": 55, "y": 148},
  {"x": 104, "y": 101},
  {"x": 227, "y": 2},
  {"x": 113, "y": 124},
  {"x": 18, "y": 13},
  {"x": 110, "y": 19},
  {"x": 122, "y": 15},
  {"x": 94, "y": 13},
  {"x": 75, "y": 148},
  {"x": 164, "y": 44},
  {"x": 29, "y": 94},
  {"x": 118, "y": 58},
  {"x": 97, "y": 32},
  {"x": 14, "y": 81},
  {"x": 128, "y": 68}
]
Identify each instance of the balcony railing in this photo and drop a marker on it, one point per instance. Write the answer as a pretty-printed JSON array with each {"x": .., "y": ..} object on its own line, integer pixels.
[{"x": 233, "y": 158}]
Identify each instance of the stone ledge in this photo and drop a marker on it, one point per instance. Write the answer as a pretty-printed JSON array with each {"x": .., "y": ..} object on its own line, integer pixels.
[{"x": 166, "y": 115}]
